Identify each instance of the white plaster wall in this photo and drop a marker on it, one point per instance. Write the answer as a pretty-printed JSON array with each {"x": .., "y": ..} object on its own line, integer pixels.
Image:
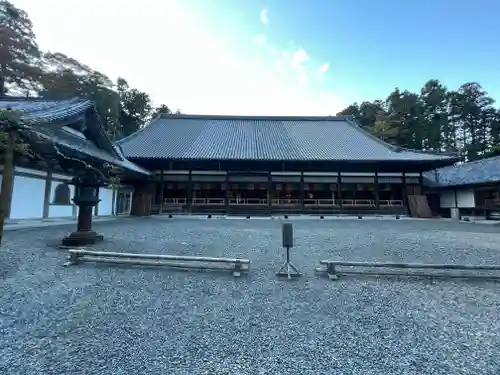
[
  {"x": 447, "y": 199},
  {"x": 29, "y": 193},
  {"x": 27, "y": 198},
  {"x": 465, "y": 198},
  {"x": 57, "y": 210},
  {"x": 106, "y": 203}
]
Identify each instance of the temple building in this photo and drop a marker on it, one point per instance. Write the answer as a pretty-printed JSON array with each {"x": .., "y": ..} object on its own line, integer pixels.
[
  {"x": 467, "y": 189},
  {"x": 270, "y": 165},
  {"x": 42, "y": 186}
]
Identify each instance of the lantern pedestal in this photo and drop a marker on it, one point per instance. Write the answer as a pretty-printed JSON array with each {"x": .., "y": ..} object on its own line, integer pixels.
[{"x": 86, "y": 198}]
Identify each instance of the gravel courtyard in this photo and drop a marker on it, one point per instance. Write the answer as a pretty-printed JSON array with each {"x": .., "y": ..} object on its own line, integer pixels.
[{"x": 101, "y": 319}]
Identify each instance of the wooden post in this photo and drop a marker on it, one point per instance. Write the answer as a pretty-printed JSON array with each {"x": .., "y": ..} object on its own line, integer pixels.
[
  {"x": 270, "y": 192},
  {"x": 302, "y": 192},
  {"x": 46, "y": 195},
  {"x": 226, "y": 193},
  {"x": 96, "y": 207},
  {"x": 7, "y": 181},
  {"x": 421, "y": 183},
  {"x": 189, "y": 194},
  {"x": 404, "y": 191},
  {"x": 339, "y": 190},
  {"x": 162, "y": 189},
  {"x": 377, "y": 191}
]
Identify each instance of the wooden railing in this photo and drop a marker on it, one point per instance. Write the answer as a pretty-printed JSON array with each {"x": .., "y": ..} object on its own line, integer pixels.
[
  {"x": 287, "y": 202},
  {"x": 176, "y": 201}
]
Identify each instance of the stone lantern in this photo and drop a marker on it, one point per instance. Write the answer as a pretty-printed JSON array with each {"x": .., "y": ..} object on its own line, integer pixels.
[{"x": 86, "y": 198}]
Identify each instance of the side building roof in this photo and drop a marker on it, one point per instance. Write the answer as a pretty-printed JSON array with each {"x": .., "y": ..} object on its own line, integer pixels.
[
  {"x": 476, "y": 172},
  {"x": 49, "y": 117},
  {"x": 199, "y": 137}
]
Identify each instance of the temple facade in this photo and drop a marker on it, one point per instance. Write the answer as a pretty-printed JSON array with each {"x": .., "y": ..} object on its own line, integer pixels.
[
  {"x": 270, "y": 165},
  {"x": 467, "y": 190}
]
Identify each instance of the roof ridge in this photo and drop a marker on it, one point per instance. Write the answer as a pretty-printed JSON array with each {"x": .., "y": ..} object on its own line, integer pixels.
[
  {"x": 252, "y": 117},
  {"x": 469, "y": 163},
  {"x": 41, "y": 99}
]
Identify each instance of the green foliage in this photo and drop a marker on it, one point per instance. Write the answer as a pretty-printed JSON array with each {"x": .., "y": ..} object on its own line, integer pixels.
[
  {"x": 8, "y": 118},
  {"x": 435, "y": 119},
  {"x": 18, "y": 50},
  {"x": 135, "y": 108},
  {"x": 161, "y": 109},
  {"x": 65, "y": 77}
]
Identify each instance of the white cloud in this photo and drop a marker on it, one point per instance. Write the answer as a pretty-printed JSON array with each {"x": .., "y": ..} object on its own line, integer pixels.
[
  {"x": 321, "y": 71},
  {"x": 264, "y": 17},
  {"x": 323, "y": 68},
  {"x": 299, "y": 57},
  {"x": 168, "y": 54}
]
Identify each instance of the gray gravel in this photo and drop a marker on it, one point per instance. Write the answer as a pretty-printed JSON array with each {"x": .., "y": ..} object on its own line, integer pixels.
[{"x": 96, "y": 319}]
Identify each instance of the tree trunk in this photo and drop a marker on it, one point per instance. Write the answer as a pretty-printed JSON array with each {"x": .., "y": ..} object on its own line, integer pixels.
[{"x": 7, "y": 181}]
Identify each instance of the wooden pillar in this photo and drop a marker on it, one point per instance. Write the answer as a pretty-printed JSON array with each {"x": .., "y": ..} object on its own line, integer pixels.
[
  {"x": 421, "y": 183},
  {"x": 339, "y": 189},
  {"x": 270, "y": 191},
  {"x": 226, "y": 193},
  {"x": 7, "y": 181},
  {"x": 96, "y": 208},
  {"x": 302, "y": 192},
  {"x": 113, "y": 202},
  {"x": 377, "y": 189},
  {"x": 404, "y": 191},
  {"x": 162, "y": 188},
  {"x": 46, "y": 195},
  {"x": 189, "y": 192}
]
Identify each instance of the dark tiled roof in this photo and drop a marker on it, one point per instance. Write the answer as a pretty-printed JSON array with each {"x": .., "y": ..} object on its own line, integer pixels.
[
  {"x": 35, "y": 110},
  {"x": 476, "y": 172},
  {"x": 48, "y": 116},
  {"x": 262, "y": 138},
  {"x": 89, "y": 148}
]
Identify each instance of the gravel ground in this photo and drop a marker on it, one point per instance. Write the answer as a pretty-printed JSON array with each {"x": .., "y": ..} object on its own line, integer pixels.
[{"x": 97, "y": 319}]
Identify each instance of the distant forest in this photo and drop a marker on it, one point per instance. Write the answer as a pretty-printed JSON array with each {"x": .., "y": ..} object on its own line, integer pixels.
[{"x": 436, "y": 119}]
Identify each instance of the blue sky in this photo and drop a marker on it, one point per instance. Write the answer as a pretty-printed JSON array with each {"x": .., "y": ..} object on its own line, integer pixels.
[{"x": 277, "y": 56}]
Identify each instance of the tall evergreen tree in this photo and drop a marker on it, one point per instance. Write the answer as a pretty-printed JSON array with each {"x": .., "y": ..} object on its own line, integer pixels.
[
  {"x": 135, "y": 108},
  {"x": 19, "y": 51},
  {"x": 436, "y": 131}
]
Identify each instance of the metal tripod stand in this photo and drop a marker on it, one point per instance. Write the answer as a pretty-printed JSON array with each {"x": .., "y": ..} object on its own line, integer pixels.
[{"x": 288, "y": 269}]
